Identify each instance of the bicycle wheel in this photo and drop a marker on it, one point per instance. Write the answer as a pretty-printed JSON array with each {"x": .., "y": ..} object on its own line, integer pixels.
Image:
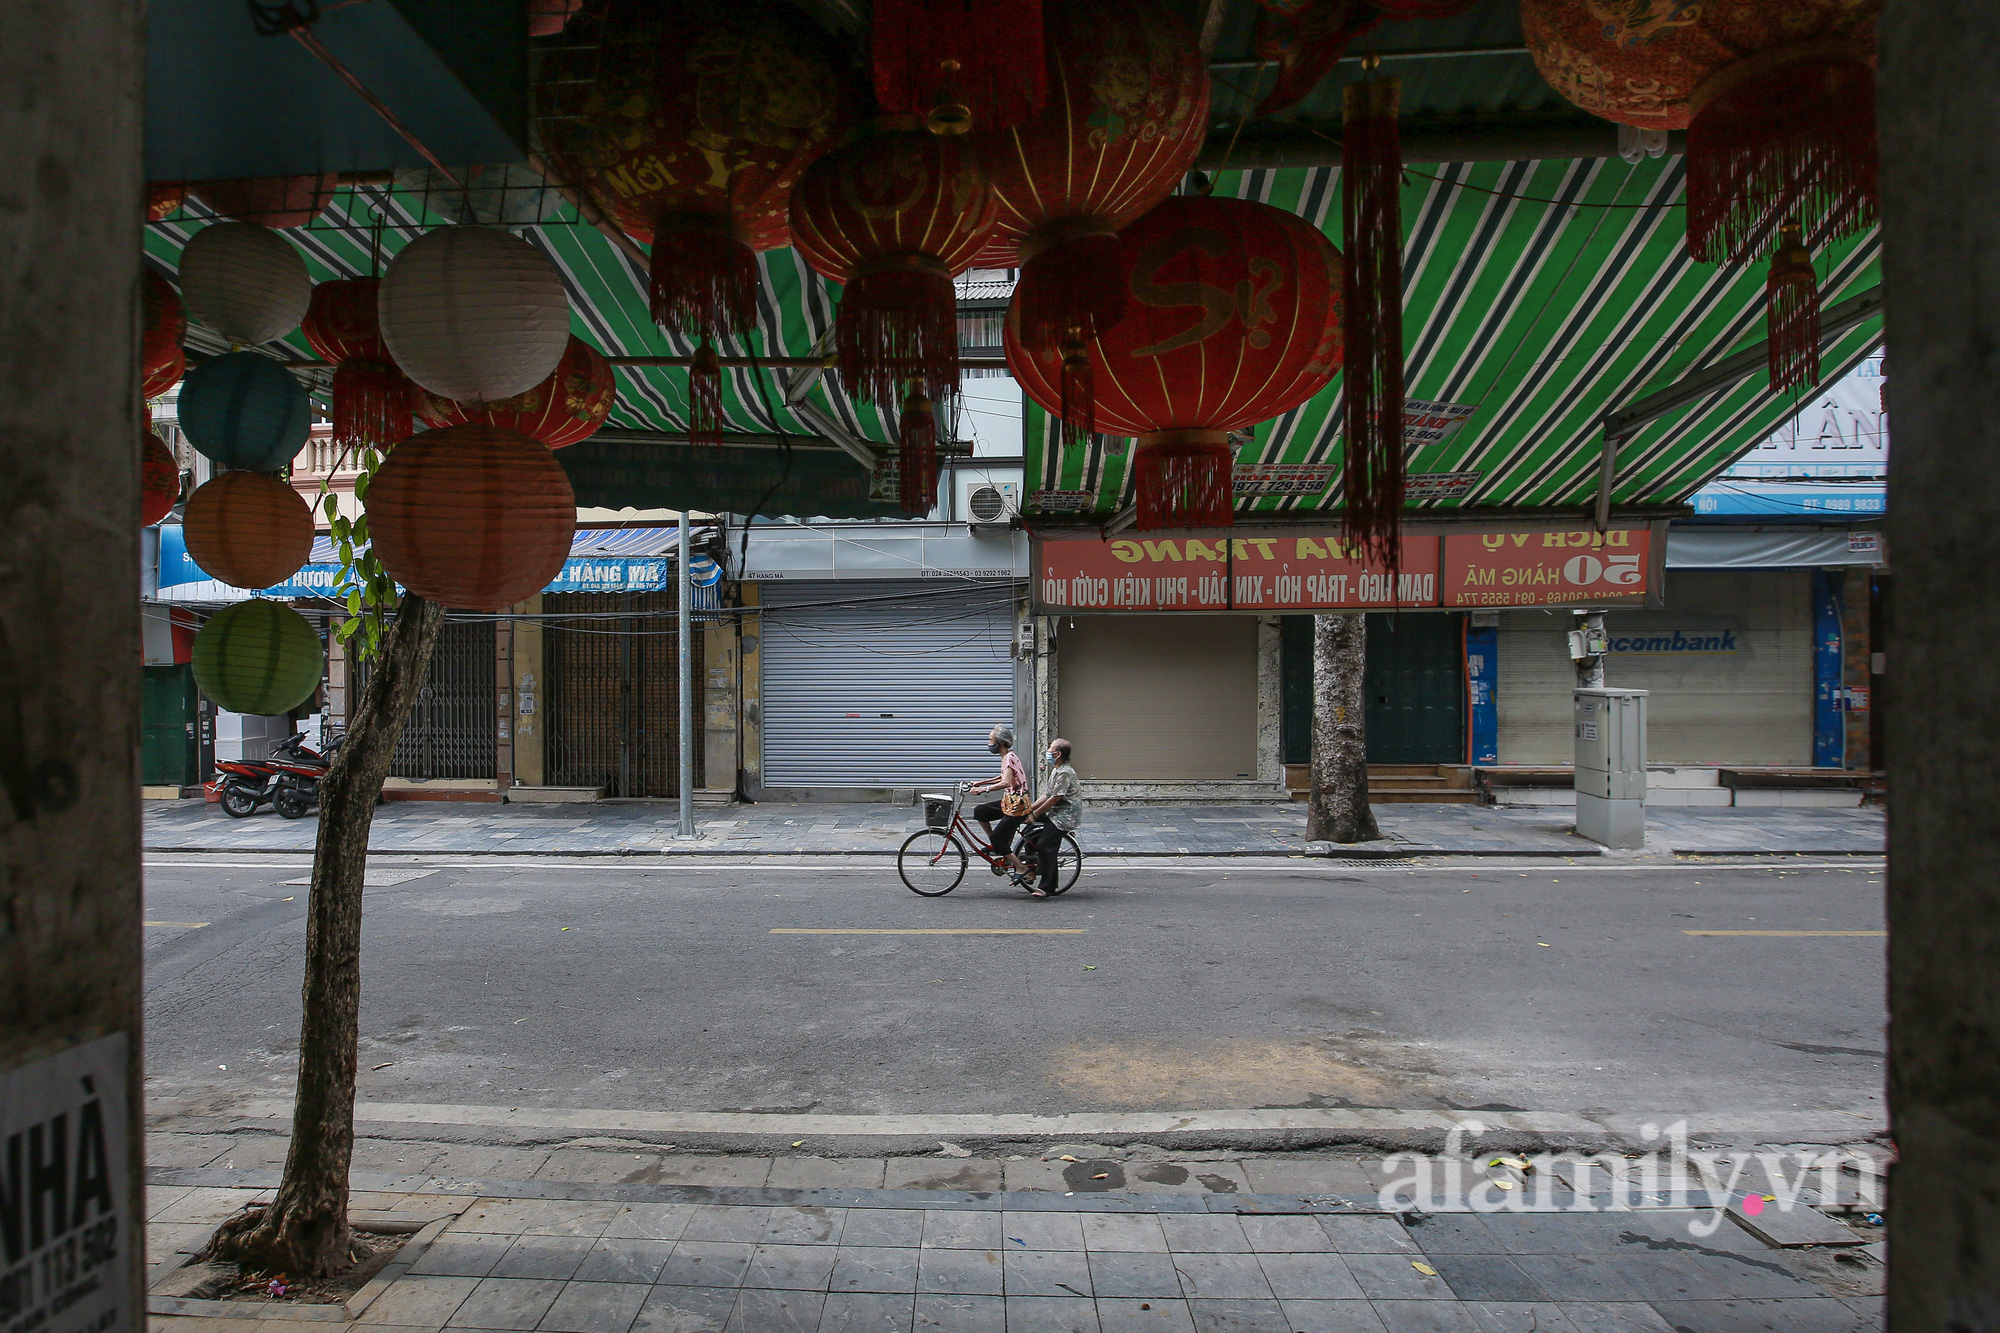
[
  {"x": 931, "y": 863},
  {"x": 1069, "y": 864}
]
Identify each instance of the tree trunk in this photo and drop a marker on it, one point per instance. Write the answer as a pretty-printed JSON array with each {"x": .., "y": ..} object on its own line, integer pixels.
[
  {"x": 1339, "y": 808},
  {"x": 304, "y": 1232}
]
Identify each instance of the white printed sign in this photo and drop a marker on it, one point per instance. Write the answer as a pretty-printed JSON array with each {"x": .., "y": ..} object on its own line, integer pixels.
[
  {"x": 1426, "y": 422},
  {"x": 1282, "y": 478},
  {"x": 1055, "y": 502},
  {"x": 1842, "y": 432}
]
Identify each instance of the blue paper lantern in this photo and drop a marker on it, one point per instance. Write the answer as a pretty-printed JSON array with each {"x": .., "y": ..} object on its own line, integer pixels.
[{"x": 245, "y": 411}]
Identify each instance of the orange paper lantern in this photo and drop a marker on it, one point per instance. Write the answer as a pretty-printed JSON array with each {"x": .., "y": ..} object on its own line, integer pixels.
[
  {"x": 159, "y": 479},
  {"x": 249, "y": 529},
  {"x": 563, "y": 409},
  {"x": 473, "y": 517}
]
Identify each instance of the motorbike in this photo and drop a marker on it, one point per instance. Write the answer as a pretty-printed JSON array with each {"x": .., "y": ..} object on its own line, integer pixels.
[
  {"x": 246, "y": 785},
  {"x": 296, "y": 788}
]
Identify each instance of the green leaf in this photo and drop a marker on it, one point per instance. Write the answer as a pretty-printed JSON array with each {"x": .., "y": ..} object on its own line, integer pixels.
[
  {"x": 332, "y": 508},
  {"x": 361, "y": 486},
  {"x": 354, "y": 603}
]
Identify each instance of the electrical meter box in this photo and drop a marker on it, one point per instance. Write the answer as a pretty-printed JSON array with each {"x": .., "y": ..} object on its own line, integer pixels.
[{"x": 1611, "y": 765}]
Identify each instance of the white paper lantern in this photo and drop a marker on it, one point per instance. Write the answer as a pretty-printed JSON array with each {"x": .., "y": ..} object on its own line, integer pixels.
[
  {"x": 244, "y": 281},
  {"x": 474, "y": 314}
]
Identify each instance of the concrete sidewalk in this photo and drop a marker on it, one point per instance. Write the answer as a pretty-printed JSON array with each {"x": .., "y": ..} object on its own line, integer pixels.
[{"x": 647, "y": 828}]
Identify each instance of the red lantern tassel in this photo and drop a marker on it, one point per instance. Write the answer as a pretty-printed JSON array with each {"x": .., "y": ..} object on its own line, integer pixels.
[
  {"x": 371, "y": 405},
  {"x": 703, "y": 281},
  {"x": 1078, "y": 387},
  {"x": 705, "y": 397},
  {"x": 898, "y": 324},
  {"x": 918, "y": 458},
  {"x": 1786, "y": 133},
  {"x": 1184, "y": 479},
  {"x": 1791, "y": 296},
  {"x": 1072, "y": 284},
  {"x": 1371, "y": 208},
  {"x": 961, "y": 64}
]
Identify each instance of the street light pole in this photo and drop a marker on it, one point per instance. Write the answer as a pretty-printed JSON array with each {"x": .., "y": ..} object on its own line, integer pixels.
[{"x": 684, "y": 585}]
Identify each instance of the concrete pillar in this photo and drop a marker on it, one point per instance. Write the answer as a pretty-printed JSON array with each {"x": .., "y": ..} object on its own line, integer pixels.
[
  {"x": 721, "y": 701},
  {"x": 751, "y": 710},
  {"x": 1941, "y": 266},
  {"x": 70, "y": 642},
  {"x": 530, "y": 697},
  {"x": 1270, "y": 700}
]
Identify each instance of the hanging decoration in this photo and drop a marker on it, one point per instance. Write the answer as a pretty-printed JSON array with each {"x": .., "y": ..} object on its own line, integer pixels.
[
  {"x": 473, "y": 517},
  {"x": 1791, "y": 301},
  {"x": 371, "y": 397},
  {"x": 893, "y": 216},
  {"x": 245, "y": 411},
  {"x": 249, "y": 529},
  {"x": 917, "y": 457},
  {"x": 257, "y": 657},
  {"x": 1233, "y": 316},
  {"x": 960, "y": 64},
  {"x": 688, "y": 122},
  {"x": 563, "y": 409},
  {"x": 161, "y": 359},
  {"x": 245, "y": 282},
  {"x": 546, "y": 18},
  {"x": 1423, "y": 9},
  {"x": 704, "y": 419},
  {"x": 164, "y": 199},
  {"x": 271, "y": 201},
  {"x": 1303, "y": 40},
  {"x": 159, "y": 479},
  {"x": 473, "y": 313},
  {"x": 1127, "y": 112},
  {"x": 1371, "y": 191}
]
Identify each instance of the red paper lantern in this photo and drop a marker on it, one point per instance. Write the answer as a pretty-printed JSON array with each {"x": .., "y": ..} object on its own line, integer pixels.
[
  {"x": 1422, "y": 9},
  {"x": 270, "y": 201},
  {"x": 472, "y": 517},
  {"x": 563, "y": 409},
  {"x": 893, "y": 216},
  {"x": 1303, "y": 40},
  {"x": 546, "y": 18},
  {"x": 249, "y": 529},
  {"x": 689, "y": 122},
  {"x": 159, "y": 479},
  {"x": 371, "y": 397},
  {"x": 161, "y": 359},
  {"x": 960, "y": 64},
  {"x": 1233, "y": 315},
  {"x": 164, "y": 200}
]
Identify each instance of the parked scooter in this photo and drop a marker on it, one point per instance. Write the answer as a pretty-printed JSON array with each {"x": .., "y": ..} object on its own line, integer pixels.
[
  {"x": 246, "y": 785},
  {"x": 299, "y": 769}
]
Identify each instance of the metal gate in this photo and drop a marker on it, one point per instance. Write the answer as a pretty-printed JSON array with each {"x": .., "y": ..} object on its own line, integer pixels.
[
  {"x": 450, "y": 730},
  {"x": 613, "y": 702}
]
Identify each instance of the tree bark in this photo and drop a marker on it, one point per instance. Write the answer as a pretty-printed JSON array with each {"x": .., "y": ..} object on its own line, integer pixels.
[
  {"x": 304, "y": 1231},
  {"x": 1339, "y": 811}
]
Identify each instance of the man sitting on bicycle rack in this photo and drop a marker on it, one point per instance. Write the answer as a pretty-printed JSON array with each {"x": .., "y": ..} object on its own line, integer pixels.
[
  {"x": 1060, "y": 811},
  {"x": 1012, "y": 809}
]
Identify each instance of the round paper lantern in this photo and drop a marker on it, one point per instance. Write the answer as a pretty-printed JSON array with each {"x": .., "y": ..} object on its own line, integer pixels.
[
  {"x": 159, "y": 479},
  {"x": 893, "y": 216},
  {"x": 474, "y": 314},
  {"x": 1233, "y": 316},
  {"x": 962, "y": 65},
  {"x": 248, "y": 529},
  {"x": 270, "y": 201},
  {"x": 563, "y": 409},
  {"x": 1127, "y": 111},
  {"x": 371, "y": 397},
  {"x": 472, "y": 517},
  {"x": 689, "y": 124},
  {"x": 244, "y": 281},
  {"x": 546, "y": 18},
  {"x": 245, "y": 411},
  {"x": 258, "y": 657},
  {"x": 164, "y": 200},
  {"x": 161, "y": 359}
]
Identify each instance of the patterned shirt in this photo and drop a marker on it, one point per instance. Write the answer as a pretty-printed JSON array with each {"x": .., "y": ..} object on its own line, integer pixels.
[{"x": 1067, "y": 812}]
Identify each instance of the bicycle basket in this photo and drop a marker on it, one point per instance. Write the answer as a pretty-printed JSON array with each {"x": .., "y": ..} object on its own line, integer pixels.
[{"x": 937, "y": 811}]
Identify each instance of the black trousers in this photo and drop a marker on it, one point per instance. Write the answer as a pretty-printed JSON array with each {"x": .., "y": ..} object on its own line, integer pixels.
[
  {"x": 1003, "y": 825},
  {"x": 1045, "y": 838}
]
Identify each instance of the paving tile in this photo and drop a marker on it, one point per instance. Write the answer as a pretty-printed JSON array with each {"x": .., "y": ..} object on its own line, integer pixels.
[
  {"x": 504, "y": 1303},
  {"x": 1519, "y": 1317},
  {"x": 1367, "y": 1235},
  {"x": 685, "y": 1310},
  {"x": 649, "y": 1221},
  {"x": 1239, "y": 1316},
  {"x": 940, "y": 1173},
  {"x": 597, "y": 1165},
  {"x": 160, "y": 1197},
  {"x": 1204, "y": 1233},
  {"x": 1132, "y": 1233},
  {"x": 1809, "y": 1315},
  {"x": 718, "y": 1171},
  {"x": 165, "y": 1148},
  {"x": 883, "y": 1226},
  {"x": 542, "y": 1257},
  {"x": 1228, "y": 1277},
  {"x": 867, "y": 1312},
  {"x": 452, "y": 1255},
  {"x": 821, "y": 1173},
  {"x": 166, "y": 1239},
  {"x": 955, "y": 1272},
  {"x": 394, "y": 1157},
  {"x": 1424, "y": 1317},
  {"x": 1285, "y": 1235},
  {"x": 595, "y": 1307},
  {"x": 707, "y": 1263},
  {"x": 1141, "y": 1276},
  {"x": 1277, "y": 1175},
  {"x": 1045, "y": 1273},
  {"x": 791, "y": 1267},
  {"x": 804, "y": 1225},
  {"x": 480, "y": 1162},
  {"x": 874, "y": 1269},
  {"x": 1683, "y": 1276},
  {"x": 538, "y": 1217},
  {"x": 766, "y": 1311},
  {"x": 1122, "y": 1315},
  {"x": 1486, "y": 1277},
  {"x": 1051, "y": 1314},
  {"x": 961, "y": 1314},
  {"x": 427, "y": 1301},
  {"x": 1041, "y": 1231},
  {"x": 1391, "y": 1277},
  {"x": 712, "y": 1221},
  {"x": 1579, "y": 1277},
  {"x": 1454, "y": 1233},
  {"x": 1322, "y": 1277},
  {"x": 969, "y": 1230},
  {"x": 1331, "y": 1317},
  {"x": 623, "y": 1259},
  {"x": 206, "y": 1205},
  {"x": 1614, "y": 1317}
]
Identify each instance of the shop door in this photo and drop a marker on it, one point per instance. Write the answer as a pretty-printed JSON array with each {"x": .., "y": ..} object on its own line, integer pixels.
[
  {"x": 170, "y": 747},
  {"x": 613, "y": 692},
  {"x": 1295, "y": 674},
  {"x": 1416, "y": 688},
  {"x": 1159, "y": 698},
  {"x": 450, "y": 732}
]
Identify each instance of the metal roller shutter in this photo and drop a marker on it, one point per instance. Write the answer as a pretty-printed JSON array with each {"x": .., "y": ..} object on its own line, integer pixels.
[
  {"x": 884, "y": 683},
  {"x": 1159, "y": 698},
  {"x": 1729, "y": 664}
]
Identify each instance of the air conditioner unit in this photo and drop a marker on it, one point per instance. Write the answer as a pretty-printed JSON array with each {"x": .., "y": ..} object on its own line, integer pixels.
[{"x": 992, "y": 501}]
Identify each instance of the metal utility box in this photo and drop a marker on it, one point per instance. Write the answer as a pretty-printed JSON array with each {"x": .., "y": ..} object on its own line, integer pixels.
[{"x": 1611, "y": 765}]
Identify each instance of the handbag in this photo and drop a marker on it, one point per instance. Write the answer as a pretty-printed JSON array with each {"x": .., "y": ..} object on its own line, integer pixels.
[{"x": 1015, "y": 805}]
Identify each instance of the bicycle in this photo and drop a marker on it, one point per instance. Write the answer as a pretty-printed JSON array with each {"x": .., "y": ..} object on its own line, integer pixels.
[{"x": 932, "y": 860}]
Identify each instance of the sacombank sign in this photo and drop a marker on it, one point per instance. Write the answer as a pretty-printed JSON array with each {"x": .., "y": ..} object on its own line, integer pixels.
[{"x": 1677, "y": 644}]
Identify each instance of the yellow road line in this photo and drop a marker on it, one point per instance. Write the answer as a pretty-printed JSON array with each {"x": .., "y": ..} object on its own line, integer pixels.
[
  {"x": 179, "y": 925},
  {"x": 792, "y": 930},
  {"x": 1795, "y": 934}
]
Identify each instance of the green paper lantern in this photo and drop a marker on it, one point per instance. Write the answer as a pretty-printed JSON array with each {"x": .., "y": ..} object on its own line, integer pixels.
[
  {"x": 245, "y": 411},
  {"x": 257, "y": 657}
]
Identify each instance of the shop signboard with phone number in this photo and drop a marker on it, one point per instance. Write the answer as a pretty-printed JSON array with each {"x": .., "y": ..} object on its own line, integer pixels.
[{"x": 1272, "y": 570}]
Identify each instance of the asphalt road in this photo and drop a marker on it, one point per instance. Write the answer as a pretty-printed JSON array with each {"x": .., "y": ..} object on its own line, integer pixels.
[{"x": 1186, "y": 985}]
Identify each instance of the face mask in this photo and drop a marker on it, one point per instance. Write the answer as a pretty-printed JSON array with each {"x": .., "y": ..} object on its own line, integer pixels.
[
  {"x": 994, "y": 747},
  {"x": 1052, "y": 757}
]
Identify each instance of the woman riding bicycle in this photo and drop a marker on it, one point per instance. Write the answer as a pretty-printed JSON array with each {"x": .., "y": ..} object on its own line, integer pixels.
[{"x": 1013, "y": 777}]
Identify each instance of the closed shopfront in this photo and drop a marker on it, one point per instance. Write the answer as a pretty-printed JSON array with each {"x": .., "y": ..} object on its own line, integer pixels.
[
  {"x": 451, "y": 729},
  {"x": 874, "y": 683},
  {"x": 612, "y": 692},
  {"x": 1415, "y": 685},
  {"x": 1159, "y": 698},
  {"x": 1729, "y": 665}
]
